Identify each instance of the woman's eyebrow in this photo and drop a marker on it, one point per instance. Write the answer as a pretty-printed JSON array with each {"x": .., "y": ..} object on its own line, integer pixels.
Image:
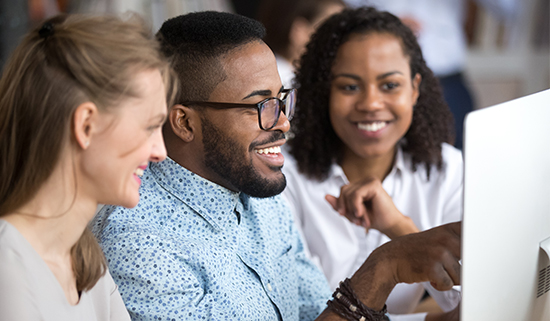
[
  {"x": 389, "y": 74},
  {"x": 352, "y": 76}
]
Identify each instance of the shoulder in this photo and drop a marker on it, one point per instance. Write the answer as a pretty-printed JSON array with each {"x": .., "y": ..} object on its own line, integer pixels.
[
  {"x": 15, "y": 278},
  {"x": 453, "y": 164},
  {"x": 102, "y": 290},
  {"x": 268, "y": 206},
  {"x": 113, "y": 221},
  {"x": 12, "y": 250},
  {"x": 290, "y": 166},
  {"x": 293, "y": 175},
  {"x": 296, "y": 182},
  {"x": 452, "y": 157},
  {"x": 106, "y": 300},
  {"x": 451, "y": 168}
]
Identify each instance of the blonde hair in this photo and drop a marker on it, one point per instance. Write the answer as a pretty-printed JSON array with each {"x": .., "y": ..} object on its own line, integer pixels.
[{"x": 69, "y": 60}]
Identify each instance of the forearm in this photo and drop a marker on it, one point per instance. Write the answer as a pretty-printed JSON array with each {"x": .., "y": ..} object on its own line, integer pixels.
[
  {"x": 403, "y": 227},
  {"x": 431, "y": 256},
  {"x": 372, "y": 285}
]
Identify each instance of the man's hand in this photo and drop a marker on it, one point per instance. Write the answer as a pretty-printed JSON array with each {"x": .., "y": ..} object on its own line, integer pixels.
[
  {"x": 367, "y": 204},
  {"x": 432, "y": 256}
]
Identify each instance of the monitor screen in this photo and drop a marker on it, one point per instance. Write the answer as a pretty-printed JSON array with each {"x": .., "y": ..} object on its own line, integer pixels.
[{"x": 505, "y": 264}]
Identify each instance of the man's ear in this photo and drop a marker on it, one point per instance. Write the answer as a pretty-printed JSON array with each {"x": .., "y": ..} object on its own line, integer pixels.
[
  {"x": 84, "y": 119},
  {"x": 184, "y": 122}
]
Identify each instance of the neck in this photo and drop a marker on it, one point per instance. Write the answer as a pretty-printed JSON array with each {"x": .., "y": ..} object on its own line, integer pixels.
[
  {"x": 198, "y": 167},
  {"x": 55, "y": 218},
  {"x": 191, "y": 157},
  {"x": 357, "y": 168}
]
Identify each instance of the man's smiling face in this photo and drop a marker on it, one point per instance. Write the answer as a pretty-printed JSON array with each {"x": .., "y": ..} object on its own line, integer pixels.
[{"x": 237, "y": 153}]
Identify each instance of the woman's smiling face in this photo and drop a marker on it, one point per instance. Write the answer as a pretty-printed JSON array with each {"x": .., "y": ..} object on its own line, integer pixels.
[
  {"x": 128, "y": 139},
  {"x": 372, "y": 94}
]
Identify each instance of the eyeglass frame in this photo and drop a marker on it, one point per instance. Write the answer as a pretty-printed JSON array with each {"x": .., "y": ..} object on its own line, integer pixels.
[{"x": 220, "y": 105}]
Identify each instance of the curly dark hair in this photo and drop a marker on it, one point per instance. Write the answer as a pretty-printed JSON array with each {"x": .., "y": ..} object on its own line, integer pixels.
[{"x": 315, "y": 145}]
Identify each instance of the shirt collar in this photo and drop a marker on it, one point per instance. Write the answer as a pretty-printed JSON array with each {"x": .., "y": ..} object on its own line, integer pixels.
[
  {"x": 216, "y": 204},
  {"x": 399, "y": 163},
  {"x": 337, "y": 172}
]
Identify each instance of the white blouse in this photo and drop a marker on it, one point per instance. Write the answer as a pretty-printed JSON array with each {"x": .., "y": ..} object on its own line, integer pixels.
[
  {"x": 286, "y": 71},
  {"x": 340, "y": 247},
  {"x": 29, "y": 290}
]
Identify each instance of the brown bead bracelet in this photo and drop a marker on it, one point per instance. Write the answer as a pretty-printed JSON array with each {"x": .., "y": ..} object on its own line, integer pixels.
[{"x": 346, "y": 304}]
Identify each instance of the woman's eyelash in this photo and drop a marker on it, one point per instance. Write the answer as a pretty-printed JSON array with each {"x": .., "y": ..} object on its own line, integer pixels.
[{"x": 391, "y": 85}]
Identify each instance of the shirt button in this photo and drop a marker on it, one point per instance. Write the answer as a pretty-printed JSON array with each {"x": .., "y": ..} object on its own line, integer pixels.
[{"x": 269, "y": 288}]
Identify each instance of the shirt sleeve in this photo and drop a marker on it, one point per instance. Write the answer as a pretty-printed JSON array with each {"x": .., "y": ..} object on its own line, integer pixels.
[
  {"x": 454, "y": 185},
  {"x": 118, "y": 311},
  {"x": 452, "y": 212},
  {"x": 290, "y": 197},
  {"x": 155, "y": 280},
  {"x": 313, "y": 287},
  {"x": 294, "y": 202}
]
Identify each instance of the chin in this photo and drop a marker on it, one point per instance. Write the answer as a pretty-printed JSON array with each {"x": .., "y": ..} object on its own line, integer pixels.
[
  {"x": 265, "y": 187},
  {"x": 375, "y": 151},
  {"x": 128, "y": 201},
  {"x": 132, "y": 203}
]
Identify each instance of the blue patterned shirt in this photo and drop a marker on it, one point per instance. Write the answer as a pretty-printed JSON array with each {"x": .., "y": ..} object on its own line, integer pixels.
[{"x": 193, "y": 250}]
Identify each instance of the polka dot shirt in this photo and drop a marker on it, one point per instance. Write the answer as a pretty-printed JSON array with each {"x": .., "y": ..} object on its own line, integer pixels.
[{"x": 193, "y": 250}]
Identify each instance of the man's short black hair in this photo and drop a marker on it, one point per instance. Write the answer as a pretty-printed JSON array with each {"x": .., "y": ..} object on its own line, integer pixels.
[{"x": 194, "y": 43}]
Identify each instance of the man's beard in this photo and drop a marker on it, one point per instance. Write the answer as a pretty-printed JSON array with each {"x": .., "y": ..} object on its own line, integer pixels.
[{"x": 222, "y": 156}]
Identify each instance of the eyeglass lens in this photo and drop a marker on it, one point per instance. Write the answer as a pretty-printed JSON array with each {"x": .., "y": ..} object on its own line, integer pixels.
[{"x": 271, "y": 109}]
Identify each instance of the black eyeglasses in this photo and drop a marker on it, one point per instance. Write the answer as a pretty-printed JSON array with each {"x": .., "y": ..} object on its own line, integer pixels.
[{"x": 269, "y": 109}]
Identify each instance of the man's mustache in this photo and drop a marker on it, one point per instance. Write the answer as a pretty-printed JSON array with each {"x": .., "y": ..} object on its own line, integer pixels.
[{"x": 277, "y": 135}]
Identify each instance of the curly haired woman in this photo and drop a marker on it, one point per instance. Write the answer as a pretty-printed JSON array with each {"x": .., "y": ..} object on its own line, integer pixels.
[{"x": 371, "y": 126}]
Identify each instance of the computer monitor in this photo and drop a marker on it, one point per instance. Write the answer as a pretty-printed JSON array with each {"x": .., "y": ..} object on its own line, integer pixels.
[{"x": 506, "y": 226}]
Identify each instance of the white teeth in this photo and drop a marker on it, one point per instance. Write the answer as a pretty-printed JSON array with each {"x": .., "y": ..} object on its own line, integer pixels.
[
  {"x": 372, "y": 127},
  {"x": 270, "y": 150},
  {"x": 139, "y": 172}
]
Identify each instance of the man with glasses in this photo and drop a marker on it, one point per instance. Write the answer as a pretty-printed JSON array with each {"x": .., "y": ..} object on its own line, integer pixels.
[{"x": 211, "y": 238}]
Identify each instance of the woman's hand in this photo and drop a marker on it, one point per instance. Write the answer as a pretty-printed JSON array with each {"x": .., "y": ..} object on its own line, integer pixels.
[{"x": 367, "y": 204}]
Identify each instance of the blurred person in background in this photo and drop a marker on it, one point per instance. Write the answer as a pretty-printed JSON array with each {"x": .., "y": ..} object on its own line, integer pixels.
[{"x": 289, "y": 25}]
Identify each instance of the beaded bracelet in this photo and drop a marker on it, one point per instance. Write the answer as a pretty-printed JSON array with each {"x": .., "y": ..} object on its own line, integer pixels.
[{"x": 346, "y": 304}]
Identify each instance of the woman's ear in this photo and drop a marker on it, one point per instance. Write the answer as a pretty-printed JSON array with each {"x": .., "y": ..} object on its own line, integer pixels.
[
  {"x": 84, "y": 120},
  {"x": 184, "y": 122},
  {"x": 417, "y": 80}
]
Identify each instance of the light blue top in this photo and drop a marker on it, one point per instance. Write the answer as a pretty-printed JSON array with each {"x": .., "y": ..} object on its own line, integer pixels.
[{"x": 193, "y": 250}]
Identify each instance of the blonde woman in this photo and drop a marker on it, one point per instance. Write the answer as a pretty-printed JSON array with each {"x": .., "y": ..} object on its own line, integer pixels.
[{"x": 82, "y": 102}]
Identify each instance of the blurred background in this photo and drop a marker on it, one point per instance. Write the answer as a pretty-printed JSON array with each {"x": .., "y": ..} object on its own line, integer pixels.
[
  {"x": 504, "y": 48},
  {"x": 508, "y": 53}
]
